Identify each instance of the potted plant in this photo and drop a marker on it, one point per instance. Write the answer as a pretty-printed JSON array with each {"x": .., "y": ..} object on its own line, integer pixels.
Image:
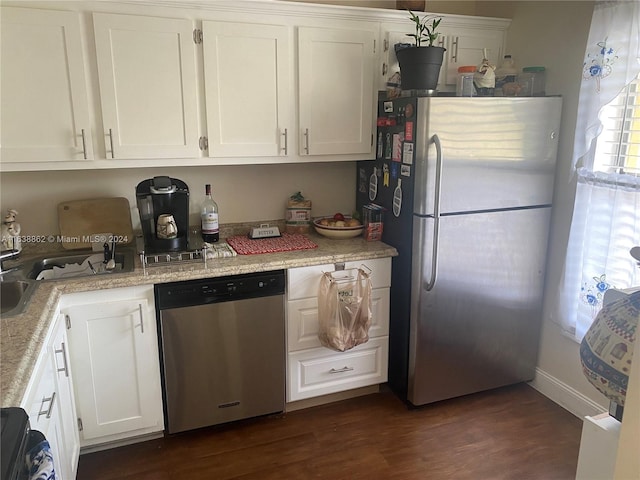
[{"x": 420, "y": 63}]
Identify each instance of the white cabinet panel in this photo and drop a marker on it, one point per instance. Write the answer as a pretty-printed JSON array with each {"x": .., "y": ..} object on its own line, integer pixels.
[
  {"x": 321, "y": 371},
  {"x": 45, "y": 111},
  {"x": 335, "y": 75},
  {"x": 147, "y": 76},
  {"x": 466, "y": 48},
  {"x": 59, "y": 351},
  {"x": 313, "y": 370},
  {"x": 49, "y": 402},
  {"x": 303, "y": 325},
  {"x": 115, "y": 359},
  {"x": 248, "y": 96},
  {"x": 304, "y": 282}
]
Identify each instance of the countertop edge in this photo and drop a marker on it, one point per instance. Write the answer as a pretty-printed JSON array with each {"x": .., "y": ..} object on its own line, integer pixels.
[{"x": 23, "y": 336}]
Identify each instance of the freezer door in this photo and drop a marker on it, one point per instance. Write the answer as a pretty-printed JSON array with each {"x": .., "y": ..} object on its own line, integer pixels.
[
  {"x": 478, "y": 327},
  {"x": 496, "y": 152}
]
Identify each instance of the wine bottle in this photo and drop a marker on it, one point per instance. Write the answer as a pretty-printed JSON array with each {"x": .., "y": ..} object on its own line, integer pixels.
[{"x": 209, "y": 218}]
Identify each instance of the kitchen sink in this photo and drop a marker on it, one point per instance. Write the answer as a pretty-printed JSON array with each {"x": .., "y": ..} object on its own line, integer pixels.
[
  {"x": 78, "y": 264},
  {"x": 14, "y": 295}
]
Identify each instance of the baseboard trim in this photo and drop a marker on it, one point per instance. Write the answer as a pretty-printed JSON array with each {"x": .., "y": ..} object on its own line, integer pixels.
[{"x": 565, "y": 396}]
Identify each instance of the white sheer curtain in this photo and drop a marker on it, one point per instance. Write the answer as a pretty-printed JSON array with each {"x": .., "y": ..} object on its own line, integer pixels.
[{"x": 606, "y": 218}]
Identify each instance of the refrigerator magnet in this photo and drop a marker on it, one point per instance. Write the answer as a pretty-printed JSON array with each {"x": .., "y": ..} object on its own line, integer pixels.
[
  {"x": 388, "y": 107},
  {"x": 362, "y": 180},
  {"x": 394, "y": 170},
  {"x": 385, "y": 175},
  {"x": 405, "y": 170},
  {"x": 396, "y": 155},
  {"x": 408, "y": 131},
  {"x": 407, "y": 153}
]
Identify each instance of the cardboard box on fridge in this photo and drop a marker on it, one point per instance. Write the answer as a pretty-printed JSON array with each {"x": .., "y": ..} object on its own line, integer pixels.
[{"x": 372, "y": 218}]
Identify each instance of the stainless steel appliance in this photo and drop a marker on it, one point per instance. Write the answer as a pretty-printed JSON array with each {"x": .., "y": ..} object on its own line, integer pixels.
[
  {"x": 467, "y": 186},
  {"x": 158, "y": 199},
  {"x": 222, "y": 344}
]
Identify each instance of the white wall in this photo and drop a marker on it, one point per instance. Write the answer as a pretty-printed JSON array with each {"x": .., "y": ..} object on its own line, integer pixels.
[
  {"x": 244, "y": 193},
  {"x": 554, "y": 34}
]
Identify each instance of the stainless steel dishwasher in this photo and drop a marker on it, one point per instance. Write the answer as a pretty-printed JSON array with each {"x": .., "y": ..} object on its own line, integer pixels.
[{"x": 222, "y": 348}]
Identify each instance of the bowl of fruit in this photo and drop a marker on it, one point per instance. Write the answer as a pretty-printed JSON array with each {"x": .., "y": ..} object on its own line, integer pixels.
[{"x": 338, "y": 226}]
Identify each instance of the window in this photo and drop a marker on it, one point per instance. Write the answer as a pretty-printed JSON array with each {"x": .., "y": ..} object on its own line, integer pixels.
[{"x": 618, "y": 148}]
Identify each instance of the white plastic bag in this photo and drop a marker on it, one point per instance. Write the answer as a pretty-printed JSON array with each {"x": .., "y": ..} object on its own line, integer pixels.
[{"x": 344, "y": 308}]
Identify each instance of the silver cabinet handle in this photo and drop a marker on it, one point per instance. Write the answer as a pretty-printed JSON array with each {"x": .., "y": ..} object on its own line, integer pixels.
[
  {"x": 306, "y": 141},
  {"x": 111, "y": 143},
  {"x": 384, "y": 69},
  {"x": 48, "y": 411},
  {"x": 341, "y": 370},
  {"x": 141, "y": 318},
  {"x": 454, "y": 53},
  {"x": 63, "y": 351},
  {"x": 436, "y": 214},
  {"x": 285, "y": 149},
  {"x": 84, "y": 144}
]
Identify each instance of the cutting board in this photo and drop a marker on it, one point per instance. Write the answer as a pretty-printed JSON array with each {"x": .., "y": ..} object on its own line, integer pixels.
[{"x": 80, "y": 219}]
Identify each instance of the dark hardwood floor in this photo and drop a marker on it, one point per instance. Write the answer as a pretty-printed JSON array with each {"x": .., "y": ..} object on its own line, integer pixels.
[{"x": 509, "y": 433}]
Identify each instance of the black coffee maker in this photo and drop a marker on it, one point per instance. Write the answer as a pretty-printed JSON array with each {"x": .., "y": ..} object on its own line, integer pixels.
[{"x": 163, "y": 203}]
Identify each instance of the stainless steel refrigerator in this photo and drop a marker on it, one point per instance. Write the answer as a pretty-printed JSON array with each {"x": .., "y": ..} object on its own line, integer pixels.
[{"x": 466, "y": 186}]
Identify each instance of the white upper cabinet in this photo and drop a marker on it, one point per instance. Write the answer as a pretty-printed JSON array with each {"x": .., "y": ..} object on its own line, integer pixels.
[
  {"x": 467, "y": 48},
  {"x": 464, "y": 41},
  {"x": 45, "y": 112},
  {"x": 147, "y": 76},
  {"x": 336, "y": 85},
  {"x": 248, "y": 97}
]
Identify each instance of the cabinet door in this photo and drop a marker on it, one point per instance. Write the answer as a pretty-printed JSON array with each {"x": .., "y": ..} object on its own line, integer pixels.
[
  {"x": 59, "y": 350},
  {"x": 320, "y": 371},
  {"x": 146, "y": 69},
  {"x": 467, "y": 48},
  {"x": 303, "y": 324},
  {"x": 248, "y": 97},
  {"x": 41, "y": 402},
  {"x": 115, "y": 362},
  {"x": 45, "y": 112},
  {"x": 336, "y": 77}
]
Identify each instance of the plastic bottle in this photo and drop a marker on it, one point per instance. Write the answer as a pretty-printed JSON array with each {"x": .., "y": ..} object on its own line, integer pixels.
[
  {"x": 464, "y": 85},
  {"x": 209, "y": 218},
  {"x": 506, "y": 73}
]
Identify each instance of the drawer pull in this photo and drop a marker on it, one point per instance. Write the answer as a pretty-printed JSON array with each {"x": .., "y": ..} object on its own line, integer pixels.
[
  {"x": 341, "y": 370},
  {"x": 141, "y": 318},
  {"x": 65, "y": 367},
  {"x": 47, "y": 412}
]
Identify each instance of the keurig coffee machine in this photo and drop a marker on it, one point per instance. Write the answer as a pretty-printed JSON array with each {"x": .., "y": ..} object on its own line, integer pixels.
[{"x": 163, "y": 203}]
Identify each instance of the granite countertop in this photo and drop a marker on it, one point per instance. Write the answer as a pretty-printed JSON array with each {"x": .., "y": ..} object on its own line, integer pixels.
[{"x": 23, "y": 335}]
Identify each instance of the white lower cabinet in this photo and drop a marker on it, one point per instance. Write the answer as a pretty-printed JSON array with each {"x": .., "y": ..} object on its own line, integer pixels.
[
  {"x": 314, "y": 370},
  {"x": 114, "y": 353},
  {"x": 50, "y": 404}
]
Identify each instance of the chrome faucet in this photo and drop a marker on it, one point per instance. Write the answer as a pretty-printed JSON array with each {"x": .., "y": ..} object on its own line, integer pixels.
[{"x": 8, "y": 255}]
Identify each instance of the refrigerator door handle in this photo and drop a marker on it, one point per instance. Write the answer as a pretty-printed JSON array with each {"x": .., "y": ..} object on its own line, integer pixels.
[{"x": 436, "y": 214}]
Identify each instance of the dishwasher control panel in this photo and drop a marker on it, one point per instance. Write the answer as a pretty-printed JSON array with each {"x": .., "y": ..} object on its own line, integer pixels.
[{"x": 219, "y": 289}]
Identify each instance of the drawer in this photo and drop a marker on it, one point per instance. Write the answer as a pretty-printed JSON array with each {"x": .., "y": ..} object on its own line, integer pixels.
[
  {"x": 302, "y": 320},
  {"x": 303, "y": 282},
  {"x": 320, "y": 371}
]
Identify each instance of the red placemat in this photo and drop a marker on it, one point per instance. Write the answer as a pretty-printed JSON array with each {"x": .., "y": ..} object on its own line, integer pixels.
[{"x": 286, "y": 243}]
